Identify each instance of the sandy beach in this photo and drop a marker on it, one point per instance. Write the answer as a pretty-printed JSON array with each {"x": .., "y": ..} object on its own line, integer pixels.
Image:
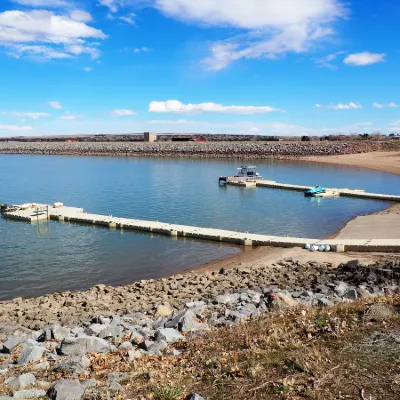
[{"x": 381, "y": 161}]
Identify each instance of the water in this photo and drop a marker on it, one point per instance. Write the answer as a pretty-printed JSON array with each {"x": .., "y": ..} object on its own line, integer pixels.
[{"x": 35, "y": 260}]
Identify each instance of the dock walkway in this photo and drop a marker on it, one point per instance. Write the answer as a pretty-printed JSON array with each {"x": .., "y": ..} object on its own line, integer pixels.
[
  {"x": 78, "y": 215},
  {"x": 357, "y": 193}
]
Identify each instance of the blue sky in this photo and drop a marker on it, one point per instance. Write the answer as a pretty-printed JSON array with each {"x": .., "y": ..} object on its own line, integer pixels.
[{"x": 285, "y": 67}]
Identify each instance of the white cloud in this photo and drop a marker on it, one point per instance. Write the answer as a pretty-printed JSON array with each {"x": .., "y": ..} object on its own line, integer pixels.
[
  {"x": 69, "y": 117},
  {"x": 81, "y": 16},
  {"x": 141, "y": 50},
  {"x": 363, "y": 59},
  {"x": 271, "y": 27},
  {"x": 340, "y": 106},
  {"x": 55, "y": 104},
  {"x": 252, "y": 14},
  {"x": 389, "y": 105},
  {"x": 395, "y": 123},
  {"x": 176, "y": 107},
  {"x": 14, "y": 128},
  {"x": 122, "y": 113},
  {"x": 43, "y": 3},
  {"x": 327, "y": 61},
  {"x": 33, "y": 115},
  {"x": 113, "y": 5},
  {"x": 42, "y": 34},
  {"x": 129, "y": 19},
  {"x": 78, "y": 49},
  {"x": 87, "y": 69}
]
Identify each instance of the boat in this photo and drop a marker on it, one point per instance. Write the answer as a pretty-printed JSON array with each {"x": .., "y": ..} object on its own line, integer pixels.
[
  {"x": 245, "y": 173},
  {"x": 315, "y": 191}
]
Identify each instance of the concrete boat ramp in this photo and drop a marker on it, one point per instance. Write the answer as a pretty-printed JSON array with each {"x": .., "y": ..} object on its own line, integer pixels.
[
  {"x": 42, "y": 212},
  {"x": 330, "y": 192}
]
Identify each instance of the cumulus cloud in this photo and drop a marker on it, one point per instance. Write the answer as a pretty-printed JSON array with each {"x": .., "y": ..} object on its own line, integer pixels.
[
  {"x": 14, "y": 128},
  {"x": 81, "y": 16},
  {"x": 363, "y": 59},
  {"x": 340, "y": 106},
  {"x": 43, "y": 34},
  {"x": 176, "y": 107},
  {"x": 122, "y": 113},
  {"x": 389, "y": 105},
  {"x": 271, "y": 28},
  {"x": 141, "y": 50},
  {"x": 87, "y": 69}
]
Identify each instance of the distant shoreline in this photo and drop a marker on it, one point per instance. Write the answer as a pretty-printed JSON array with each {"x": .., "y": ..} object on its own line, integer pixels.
[{"x": 308, "y": 151}]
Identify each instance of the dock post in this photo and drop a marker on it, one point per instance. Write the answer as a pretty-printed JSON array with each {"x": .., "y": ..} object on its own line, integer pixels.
[
  {"x": 247, "y": 242},
  {"x": 112, "y": 225},
  {"x": 174, "y": 233}
]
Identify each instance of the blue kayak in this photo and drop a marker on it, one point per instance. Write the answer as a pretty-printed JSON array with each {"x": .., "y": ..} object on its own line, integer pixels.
[{"x": 314, "y": 191}]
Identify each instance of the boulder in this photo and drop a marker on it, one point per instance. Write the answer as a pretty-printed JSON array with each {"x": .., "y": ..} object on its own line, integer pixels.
[
  {"x": 157, "y": 347},
  {"x": 351, "y": 295},
  {"x": 227, "y": 298},
  {"x": 111, "y": 332},
  {"x": 29, "y": 394},
  {"x": 169, "y": 335},
  {"x": 163, "y": 310},
  {"x": 11, "y": 343},
  {"x": 21, "y": 381},
  {"x": 341, "y": 288},
  {"x": 30, "y": 353},
  {"x": 75, "y": 365},
  {"x": 82, "y": 345},
  {"x": 66, "y": 389},
  {"x": 60, "y": 333}
]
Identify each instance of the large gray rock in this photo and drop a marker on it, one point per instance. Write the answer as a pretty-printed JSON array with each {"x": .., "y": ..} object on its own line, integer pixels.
[
  {"x": 341, "y": 288},
  {"x": 30, "y": 353},
  {"x": 29, "y": 394},
  {"x": 75, "y": 365},
  {"x": 21, "y": 381},
  {"x": 60, "y": 333},
  {"x": 227, "y": 298},
  {"x": 11, "y": 343},
  {"x": 111, "y": 332},
  {"x": 186, "y": 322},
  {"x": 82, "y": 345},
  {"x": 169, "y": 335},
  {"x": 66, "y": 390},
  {"x": 157, "y": 347},
  {"x": 351, "y": 295}
]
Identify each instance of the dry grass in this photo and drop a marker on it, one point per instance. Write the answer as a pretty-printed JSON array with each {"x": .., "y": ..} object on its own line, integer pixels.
[{"x": 310, "y": 354}]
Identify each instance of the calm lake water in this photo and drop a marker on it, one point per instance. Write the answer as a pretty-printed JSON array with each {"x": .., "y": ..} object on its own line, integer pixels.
[{"x": 36, "y": 260}]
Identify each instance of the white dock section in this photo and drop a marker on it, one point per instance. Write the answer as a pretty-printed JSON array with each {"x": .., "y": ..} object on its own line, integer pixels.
[
  {"x": 358, "y": 193},
  {"x": 77, "y": 215}
]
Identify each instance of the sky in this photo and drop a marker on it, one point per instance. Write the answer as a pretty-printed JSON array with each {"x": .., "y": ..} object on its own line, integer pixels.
[{"x": 271, "y": 67}]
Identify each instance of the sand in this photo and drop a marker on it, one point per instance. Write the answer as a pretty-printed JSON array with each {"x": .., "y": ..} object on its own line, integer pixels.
[{"x": 381, "y": 161}]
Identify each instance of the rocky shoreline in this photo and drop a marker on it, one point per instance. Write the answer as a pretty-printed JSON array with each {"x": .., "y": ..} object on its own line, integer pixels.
[
  {"x": 206, "y": 150},
  {"x": 59, "y": 338}
]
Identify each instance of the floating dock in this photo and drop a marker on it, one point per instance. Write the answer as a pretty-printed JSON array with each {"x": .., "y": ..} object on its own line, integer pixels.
[
  {"x": 42, "y": 212},
  {"x": 331, "y": 192}
]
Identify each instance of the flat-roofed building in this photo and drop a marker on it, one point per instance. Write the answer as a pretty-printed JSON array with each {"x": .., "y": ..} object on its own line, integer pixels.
[{"x": 150, "y": 137}]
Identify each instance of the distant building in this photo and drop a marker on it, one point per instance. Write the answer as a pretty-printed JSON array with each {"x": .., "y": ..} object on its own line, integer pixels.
[{"x": 150, "y": 137}]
